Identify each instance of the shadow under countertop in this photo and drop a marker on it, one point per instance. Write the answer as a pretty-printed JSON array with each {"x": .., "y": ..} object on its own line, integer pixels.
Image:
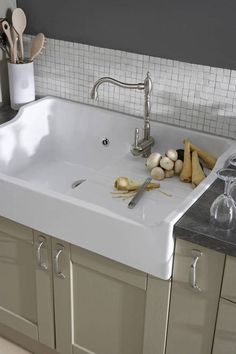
[
  {"x": 195, "y": 226},
  {"x": 6, "y": 113}
]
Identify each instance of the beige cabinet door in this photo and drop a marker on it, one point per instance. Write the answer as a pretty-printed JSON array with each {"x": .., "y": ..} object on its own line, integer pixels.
[
  {"x": 20, "y": 290},
  {"x": 225, "y": 335},
  {"x": 103, "y": 307},
  {"x": 229, "y": 285},
  {"x": 18, "y": 306},
  {"x": 194, "y": 299}
]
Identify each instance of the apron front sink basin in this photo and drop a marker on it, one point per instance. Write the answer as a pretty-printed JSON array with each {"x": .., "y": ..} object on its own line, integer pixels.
[{"x": 53, "y": 143}]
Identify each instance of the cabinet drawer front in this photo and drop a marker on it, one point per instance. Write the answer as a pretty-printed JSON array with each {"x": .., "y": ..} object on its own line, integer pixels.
[
  {"x": 229, "y": 281},
  {"x": 225, "y": 336},
  {"x": 108, "y": 267}
]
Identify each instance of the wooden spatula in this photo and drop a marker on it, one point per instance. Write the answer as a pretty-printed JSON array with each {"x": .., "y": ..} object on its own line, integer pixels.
[
  {"x": 7, "y": 30},
  {"x": 19, "y": 24},
  {"x": 37, "y": 46}
]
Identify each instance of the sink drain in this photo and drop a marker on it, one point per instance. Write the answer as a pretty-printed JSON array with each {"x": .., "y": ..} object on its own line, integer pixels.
[
  {"x": 105, "y": 141},
  {"x": 77, "y": 183}
]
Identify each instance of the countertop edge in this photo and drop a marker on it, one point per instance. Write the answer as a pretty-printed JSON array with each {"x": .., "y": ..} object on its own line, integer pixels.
[{"x": 205, "y": 241}]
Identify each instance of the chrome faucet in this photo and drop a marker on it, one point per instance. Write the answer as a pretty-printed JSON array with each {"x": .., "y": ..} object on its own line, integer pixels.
[{"x": 141, "y": 146}]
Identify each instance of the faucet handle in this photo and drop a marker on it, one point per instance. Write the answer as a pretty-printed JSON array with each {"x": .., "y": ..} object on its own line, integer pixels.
[
  {"x": 136, "y": 137},
  {"x": 136, "y": 148}
]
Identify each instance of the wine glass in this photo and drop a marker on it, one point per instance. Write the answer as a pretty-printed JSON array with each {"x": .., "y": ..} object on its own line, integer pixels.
[
  {"x": 232, "y": 188},
  {"x": 232, "y": 160},
  {"x": 223, "y": 209}
]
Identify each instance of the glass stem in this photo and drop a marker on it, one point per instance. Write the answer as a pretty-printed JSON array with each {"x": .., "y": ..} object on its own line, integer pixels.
[{"x": 227, "y": 185}]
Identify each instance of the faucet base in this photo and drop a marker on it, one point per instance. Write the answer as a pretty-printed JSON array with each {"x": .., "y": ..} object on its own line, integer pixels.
[
  {"x": 143, "y": 148},
  {"x": 147, "y": 153}
]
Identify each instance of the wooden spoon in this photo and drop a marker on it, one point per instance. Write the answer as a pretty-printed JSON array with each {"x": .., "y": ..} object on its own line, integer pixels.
[
  {"x": 14, "y": 41},
  {"x": 37, "y": 46},
  {"x": 7, "y": 31},
  {"x": 19, "y": 24}
]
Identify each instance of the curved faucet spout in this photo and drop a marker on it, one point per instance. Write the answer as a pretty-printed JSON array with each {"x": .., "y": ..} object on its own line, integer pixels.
[
  {"x": 143, "y": 146},
  {"x": 94, "y": 91}
]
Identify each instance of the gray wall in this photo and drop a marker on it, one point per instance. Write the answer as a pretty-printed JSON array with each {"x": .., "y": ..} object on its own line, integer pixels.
[
  {"x": 195, "y": 31},
  {"x": 5, "y": 6}
]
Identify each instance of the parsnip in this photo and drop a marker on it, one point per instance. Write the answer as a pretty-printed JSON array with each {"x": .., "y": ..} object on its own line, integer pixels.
[
  {"x": 186, "y": 173},
  {"x": 127, "y": 184},
  {"x": 209, "y": 160},
  {"x": 197, "y": 173}
]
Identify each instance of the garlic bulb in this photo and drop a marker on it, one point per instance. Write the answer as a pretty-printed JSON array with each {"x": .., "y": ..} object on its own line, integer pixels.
[
  {"x": 153, "y": 160},
  {"x": 166, "y": 163},
  {"x": 178, "y": 166},
  {"x": 169, "y": 173},
  {"x": 157, "y": 173},
  {"x": 172, "y": 154}
]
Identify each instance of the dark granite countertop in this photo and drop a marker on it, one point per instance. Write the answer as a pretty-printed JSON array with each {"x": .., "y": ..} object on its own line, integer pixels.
[{"x": 195, "y": 226}]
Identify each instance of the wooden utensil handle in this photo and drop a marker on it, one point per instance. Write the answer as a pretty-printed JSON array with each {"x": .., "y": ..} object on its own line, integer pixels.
[{"x": 21, "y": 56}]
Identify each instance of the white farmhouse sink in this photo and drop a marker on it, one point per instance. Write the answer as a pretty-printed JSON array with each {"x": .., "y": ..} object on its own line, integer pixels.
[{"x": 53, "y": 142}]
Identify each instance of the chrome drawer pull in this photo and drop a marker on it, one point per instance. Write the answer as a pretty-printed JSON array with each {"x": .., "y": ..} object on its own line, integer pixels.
[
  {"x": 196, "y": 254},
  {"x": 41, "y": 243},
  {"x": 58, "y": 273}
]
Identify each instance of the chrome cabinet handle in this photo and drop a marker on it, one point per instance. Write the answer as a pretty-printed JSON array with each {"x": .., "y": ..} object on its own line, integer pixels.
[
  {"x": 58, "y": 273},
  {"x": 40, "y": 263},
  {"x": 196, "y": 254}
]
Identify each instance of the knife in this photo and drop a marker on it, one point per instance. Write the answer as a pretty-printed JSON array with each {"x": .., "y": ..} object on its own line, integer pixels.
[{"x": 139, "y": 194}]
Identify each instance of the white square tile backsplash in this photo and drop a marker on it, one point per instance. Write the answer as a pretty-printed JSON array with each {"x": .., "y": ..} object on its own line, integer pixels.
[{"x": 187, "y": 95}]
